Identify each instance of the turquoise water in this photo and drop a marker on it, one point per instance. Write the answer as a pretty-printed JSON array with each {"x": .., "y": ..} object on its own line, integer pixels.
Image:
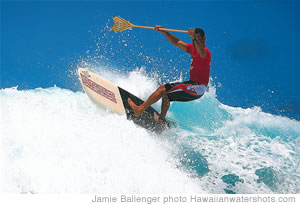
[{"x": 55, "y": 140}]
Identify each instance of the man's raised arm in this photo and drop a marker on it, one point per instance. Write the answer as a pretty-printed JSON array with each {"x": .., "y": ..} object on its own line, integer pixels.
[{"x": 172, "y": 38}]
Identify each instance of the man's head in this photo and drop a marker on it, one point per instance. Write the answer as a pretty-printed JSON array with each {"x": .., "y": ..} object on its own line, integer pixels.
[
  {"x": 201, "y": 34},
  {"x": 200, "y": 31}
]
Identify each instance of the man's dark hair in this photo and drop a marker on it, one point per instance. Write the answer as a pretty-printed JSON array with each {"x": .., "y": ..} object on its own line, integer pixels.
[{"x": 201, "y": 31}]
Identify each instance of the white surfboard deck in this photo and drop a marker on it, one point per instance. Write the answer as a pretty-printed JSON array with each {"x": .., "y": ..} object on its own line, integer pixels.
[{"x": 102, "y": 92}]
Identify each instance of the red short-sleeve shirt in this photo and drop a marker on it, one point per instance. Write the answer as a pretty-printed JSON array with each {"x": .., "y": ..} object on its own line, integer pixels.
[{"x": 200, "y": 67}]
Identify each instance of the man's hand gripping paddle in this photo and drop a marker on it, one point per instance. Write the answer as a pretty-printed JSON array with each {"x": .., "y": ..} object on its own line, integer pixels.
[{"x": 121, "y": 24}]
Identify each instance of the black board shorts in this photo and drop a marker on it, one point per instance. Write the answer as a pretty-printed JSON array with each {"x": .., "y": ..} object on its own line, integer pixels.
[{"x": 184, "y": 91}]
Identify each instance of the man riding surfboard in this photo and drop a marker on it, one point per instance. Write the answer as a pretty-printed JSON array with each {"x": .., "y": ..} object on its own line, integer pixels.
[{"x": 186, "y": 90}]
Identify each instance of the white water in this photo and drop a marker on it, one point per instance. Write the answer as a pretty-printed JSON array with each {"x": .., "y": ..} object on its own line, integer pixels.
[{"x": 56, "y": 141}]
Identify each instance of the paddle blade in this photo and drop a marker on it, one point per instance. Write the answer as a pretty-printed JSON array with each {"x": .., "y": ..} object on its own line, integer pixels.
[{"x": 120, "y": 24}]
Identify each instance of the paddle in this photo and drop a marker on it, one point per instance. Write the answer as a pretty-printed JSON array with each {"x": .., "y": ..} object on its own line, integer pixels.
[{"x": 121, "y": 24}]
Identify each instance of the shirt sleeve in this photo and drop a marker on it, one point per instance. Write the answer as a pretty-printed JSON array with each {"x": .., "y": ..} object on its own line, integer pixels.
[{"x": 189, "y": 48}]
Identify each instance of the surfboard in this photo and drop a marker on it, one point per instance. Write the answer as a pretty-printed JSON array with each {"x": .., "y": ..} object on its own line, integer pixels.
[{"x": 109, "y": 96}]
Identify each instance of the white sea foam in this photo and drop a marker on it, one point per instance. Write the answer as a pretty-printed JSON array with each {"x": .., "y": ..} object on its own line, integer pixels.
[{"x": 57, "y": 141}]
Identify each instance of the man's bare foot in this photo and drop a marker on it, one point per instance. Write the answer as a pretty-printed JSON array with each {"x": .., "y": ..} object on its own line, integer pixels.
[
  {"x": 134, "y": 107},
  {"x": 163, "y": 121},
  {"x": 156, "y": 117}
]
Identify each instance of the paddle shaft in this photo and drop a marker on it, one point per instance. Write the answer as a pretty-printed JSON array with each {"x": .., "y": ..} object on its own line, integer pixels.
[{"x": 164, "y": 29}]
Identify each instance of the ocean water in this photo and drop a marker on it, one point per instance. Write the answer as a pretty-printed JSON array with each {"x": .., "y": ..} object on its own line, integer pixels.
[
  {"x": 240, "y": 137},
  {"x": 55, "y": 140}
]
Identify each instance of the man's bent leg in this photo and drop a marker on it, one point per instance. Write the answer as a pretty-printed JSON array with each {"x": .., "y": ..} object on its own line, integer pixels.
[{"x": 138, "y": 110}]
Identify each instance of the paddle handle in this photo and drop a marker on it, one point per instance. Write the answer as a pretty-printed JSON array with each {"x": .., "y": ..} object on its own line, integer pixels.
[{"x": 165, "y": 29}]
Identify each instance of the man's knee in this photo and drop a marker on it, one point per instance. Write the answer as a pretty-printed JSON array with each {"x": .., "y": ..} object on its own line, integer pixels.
[{"x": 162, "y": 90}]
